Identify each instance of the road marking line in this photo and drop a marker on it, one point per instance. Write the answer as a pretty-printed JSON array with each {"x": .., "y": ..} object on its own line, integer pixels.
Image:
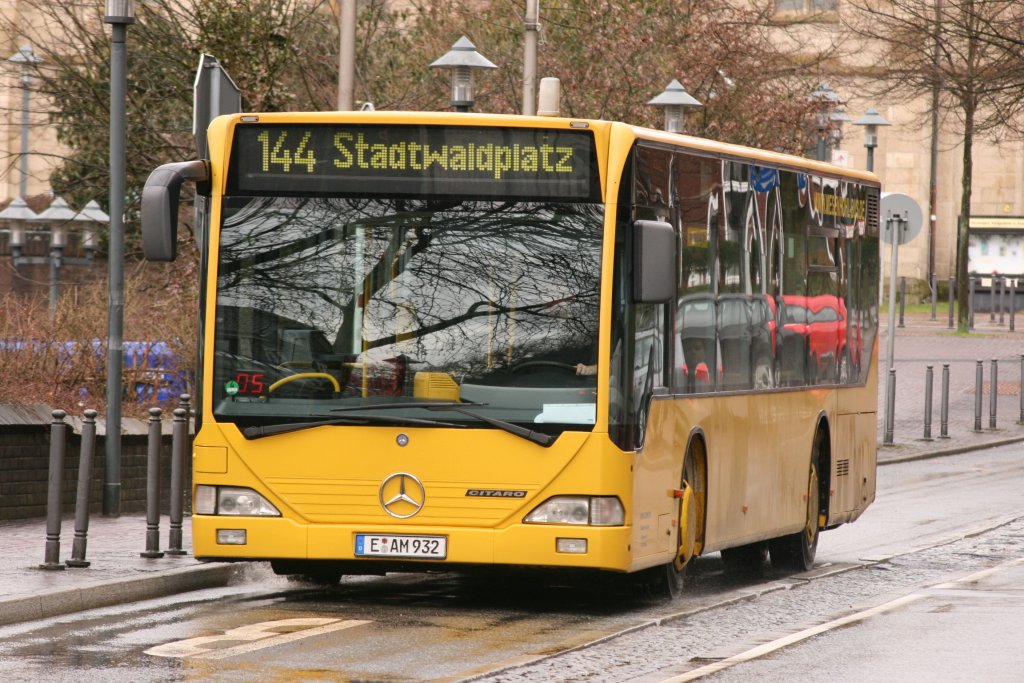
[
  {"x": 767, "y": 648},
  {"x": 262, "y": 635}
]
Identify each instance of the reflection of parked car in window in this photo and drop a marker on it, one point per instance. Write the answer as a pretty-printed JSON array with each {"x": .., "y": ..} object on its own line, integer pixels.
[
  {"x": 814, "y": 338},
  {"x": 746, "y": 333},
  {"x": 695, "y": 323}
]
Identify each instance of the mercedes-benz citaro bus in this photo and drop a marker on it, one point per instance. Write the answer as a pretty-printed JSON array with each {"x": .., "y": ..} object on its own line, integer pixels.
[{"x": 459, "y": 341}]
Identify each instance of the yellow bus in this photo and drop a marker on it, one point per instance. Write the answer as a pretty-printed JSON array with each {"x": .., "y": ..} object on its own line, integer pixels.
[{"x": 436, "y": 340}]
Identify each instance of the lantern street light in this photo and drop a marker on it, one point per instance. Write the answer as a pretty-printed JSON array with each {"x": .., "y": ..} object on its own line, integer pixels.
[
  {"x": 27, "y": 59},
  {"x": 838, "y": 117},
  {"x": 58, "y": 218},
  {"x": 871, "y": 121},
  {"x": 463, "y": 59},
  {"x": 675, "y": 101},
  {"x": 15, "y": 217},
  {"x": 58, "y": 215},
  {"x": 828, "y": 106},
  {"x": 91, "y": 217}
]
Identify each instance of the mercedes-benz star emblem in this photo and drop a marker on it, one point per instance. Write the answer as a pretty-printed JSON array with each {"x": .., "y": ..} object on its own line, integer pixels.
[{"x": 402, "y": 495}]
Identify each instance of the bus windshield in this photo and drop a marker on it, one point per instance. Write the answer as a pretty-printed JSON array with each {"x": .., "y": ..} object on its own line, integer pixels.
[{"x": 375, "y": 305}]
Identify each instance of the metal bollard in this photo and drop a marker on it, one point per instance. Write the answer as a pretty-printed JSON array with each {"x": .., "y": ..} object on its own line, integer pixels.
[
  {"x": 1021, "y": 420},
  {"x": 932, "y": 285},
  {"x": 81, "y": 539},
  {"x": 178, "y": 437},
  {"x": 903, "y": 298},
  {"x": 970, "y": 302},
  {"x": 992, "y": 298},
  {"x": 890, "y": 393},
  {"x": 1002, "y": 299},
  {"x": 952, "y": 287},
  {"x": 153, "y": 486},
  {"x": 1013, "y": 301},
  {"x": 928, "y": 403},
  {"x": 949, "y": 312},
  {"x": 979, "y": 374},
  {"x": 58, "y": 434},
  {"x": 993, "y": 393},
  {"x": 944, "y": 410}
]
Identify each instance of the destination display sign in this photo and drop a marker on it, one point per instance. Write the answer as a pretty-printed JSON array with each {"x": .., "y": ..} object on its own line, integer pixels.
[{"x": 471, "y": 162}]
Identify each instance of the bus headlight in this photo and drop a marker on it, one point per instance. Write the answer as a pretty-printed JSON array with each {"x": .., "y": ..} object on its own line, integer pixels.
[
  {"x": 579, "y": 510},
  {"x": 233, "y": 501}
]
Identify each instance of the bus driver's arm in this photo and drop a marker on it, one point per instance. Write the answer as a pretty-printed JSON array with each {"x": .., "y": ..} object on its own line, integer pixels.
[{"x": 582, "y": 369}]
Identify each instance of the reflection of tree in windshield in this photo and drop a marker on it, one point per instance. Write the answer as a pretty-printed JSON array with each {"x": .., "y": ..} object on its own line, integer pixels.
[{"x": 460, "y": 286}]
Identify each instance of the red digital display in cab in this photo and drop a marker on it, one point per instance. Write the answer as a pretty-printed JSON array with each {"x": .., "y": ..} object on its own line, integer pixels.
[{"x": 250, "y": 383}]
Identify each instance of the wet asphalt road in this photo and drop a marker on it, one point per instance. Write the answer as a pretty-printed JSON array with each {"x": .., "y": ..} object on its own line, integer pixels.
[{"x": 934, "y": 521}]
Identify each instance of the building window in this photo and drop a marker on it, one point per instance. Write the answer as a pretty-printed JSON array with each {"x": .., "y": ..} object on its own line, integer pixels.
[{"x": 805, "y": 6}]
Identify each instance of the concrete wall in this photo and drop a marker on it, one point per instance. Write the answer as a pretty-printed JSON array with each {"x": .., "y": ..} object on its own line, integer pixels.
[{"x": 24, "y": 468}]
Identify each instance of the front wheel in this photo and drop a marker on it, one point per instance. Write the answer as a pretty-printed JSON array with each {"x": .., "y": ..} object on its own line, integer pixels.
[{"x": 795, "y": 552}]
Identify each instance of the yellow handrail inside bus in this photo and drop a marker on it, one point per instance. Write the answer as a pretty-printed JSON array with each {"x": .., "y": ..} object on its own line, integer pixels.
[{"x": 306, "y": 375}]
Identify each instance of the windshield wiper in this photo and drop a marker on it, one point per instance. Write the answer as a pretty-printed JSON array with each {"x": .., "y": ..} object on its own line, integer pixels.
[
  {"x": 285, "y": 427},
  {"x": 539, "y": 438}
]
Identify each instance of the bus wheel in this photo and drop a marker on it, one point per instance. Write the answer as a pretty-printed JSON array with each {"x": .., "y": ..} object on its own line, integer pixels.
[
  {"x": 796, "y": 551},
  {"x": 663, "y": 582},
  {"x": 745, "y": 560},
  {"x": 323, "y": 574}
]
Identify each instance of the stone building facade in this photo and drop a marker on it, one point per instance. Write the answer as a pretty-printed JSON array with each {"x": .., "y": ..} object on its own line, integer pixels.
[{"x": 902, "y": 159}]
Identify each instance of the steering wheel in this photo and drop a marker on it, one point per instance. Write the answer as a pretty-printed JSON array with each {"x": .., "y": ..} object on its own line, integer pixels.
[
  {"x": 305, "y": 375},
  {"x": 545, "y": 364}
]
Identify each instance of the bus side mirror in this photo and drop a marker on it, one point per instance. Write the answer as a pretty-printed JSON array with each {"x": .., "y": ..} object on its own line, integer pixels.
[
  {"x": 160, "y": 206},
  {"x": 654, "y": 262}
]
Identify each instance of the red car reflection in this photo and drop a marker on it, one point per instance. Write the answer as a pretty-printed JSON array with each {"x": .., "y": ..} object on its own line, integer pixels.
[{"x": 814, "y": 336}]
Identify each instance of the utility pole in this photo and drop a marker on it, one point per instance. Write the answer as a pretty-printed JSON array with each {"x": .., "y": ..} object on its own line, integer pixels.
[
  {"x": 346, "y": 55},
  {"x": 531, "y": 28}
]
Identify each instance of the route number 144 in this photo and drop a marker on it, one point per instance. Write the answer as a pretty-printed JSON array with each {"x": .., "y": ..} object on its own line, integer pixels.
[{"x": 279, "y": 153}]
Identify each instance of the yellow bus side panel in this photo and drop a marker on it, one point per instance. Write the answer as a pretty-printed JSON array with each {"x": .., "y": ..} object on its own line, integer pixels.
[{"x": 759, "y": 449}]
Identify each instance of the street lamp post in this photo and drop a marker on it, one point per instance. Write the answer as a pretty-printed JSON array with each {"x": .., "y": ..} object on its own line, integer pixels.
[
  {"x": 119, "y": 14},
  {"x": 675, "y": 101},
  {"x": 871, "y": 121},
  {"x": 463, "y": 59},
  {"x": 27, "y": 59},
  {"x": 828, "y": 106}
]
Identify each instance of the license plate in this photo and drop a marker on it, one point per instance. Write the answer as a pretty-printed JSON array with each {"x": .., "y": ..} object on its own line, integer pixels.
[{"x": 392, "y": 545}]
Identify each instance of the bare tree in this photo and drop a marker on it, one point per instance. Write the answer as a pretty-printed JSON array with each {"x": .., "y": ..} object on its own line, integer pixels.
[{"x": 967, "y": 54}]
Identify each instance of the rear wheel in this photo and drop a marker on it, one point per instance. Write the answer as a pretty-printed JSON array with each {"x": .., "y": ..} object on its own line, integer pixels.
[
  {"x": 745, "y": 559},
  {"x": 796, "y": 552}
]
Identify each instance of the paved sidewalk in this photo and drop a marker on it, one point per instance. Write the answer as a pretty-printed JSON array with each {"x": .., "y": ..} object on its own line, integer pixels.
[
  {"x": 118, "y": 574},
  {"x": 923, "y": 342}
]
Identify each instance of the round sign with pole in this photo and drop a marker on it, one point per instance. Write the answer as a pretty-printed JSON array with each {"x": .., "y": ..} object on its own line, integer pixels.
[
  {"x": 901, "y": 222},
  {"x": 897, "y": 207}
]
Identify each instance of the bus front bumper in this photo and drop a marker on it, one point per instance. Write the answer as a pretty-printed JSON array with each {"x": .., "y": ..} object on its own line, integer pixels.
[{"x": 541, "y": 545}]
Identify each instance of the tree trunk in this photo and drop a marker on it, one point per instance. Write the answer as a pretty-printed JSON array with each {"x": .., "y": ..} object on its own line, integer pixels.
[{"x": 963, "y": 222}]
